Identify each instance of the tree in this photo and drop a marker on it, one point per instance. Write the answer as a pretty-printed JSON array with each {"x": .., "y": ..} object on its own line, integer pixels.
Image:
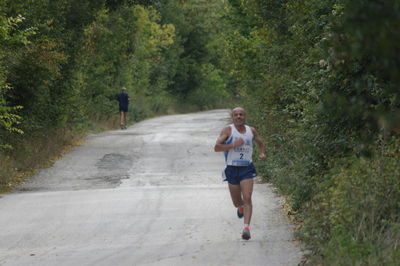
[{"x": 10, "y": 37}]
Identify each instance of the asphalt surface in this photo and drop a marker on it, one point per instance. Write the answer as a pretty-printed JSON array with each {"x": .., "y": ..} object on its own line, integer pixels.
[{"x": 148, "y": 195}]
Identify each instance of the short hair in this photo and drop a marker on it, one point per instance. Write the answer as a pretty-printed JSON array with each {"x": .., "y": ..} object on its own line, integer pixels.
[{"x": 238, "y": 108}]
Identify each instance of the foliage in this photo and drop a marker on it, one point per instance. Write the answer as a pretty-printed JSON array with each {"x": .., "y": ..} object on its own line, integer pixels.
[
  {"x": 211, "y": 90},
  {"x": 197, "y": 58},
  {"x": 62, "y": 63},
  {"x": 82, "y": 52},
  {"x": 9, "y": 36},
  {"x": 362, "y": 222},
  {"x": 122, "y": 48},
  {"x": 320, "y": 81}
]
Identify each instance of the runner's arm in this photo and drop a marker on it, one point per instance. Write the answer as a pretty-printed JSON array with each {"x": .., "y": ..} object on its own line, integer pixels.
[{"x": 219, "y": 145}]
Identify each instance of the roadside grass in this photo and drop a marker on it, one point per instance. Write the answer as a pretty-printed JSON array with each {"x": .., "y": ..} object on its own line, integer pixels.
[
  {"x": 376, "y": 248},
  {"x": 32, "y": 153}
]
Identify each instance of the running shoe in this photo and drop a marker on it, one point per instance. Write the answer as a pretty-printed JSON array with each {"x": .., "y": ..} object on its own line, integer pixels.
[
  {"x": 240, "y": 212},
  {"x": 246, "y": 233}
]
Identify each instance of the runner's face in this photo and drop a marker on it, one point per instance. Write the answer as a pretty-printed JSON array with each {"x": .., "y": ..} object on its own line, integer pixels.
[{"x": 238, "y": 117}]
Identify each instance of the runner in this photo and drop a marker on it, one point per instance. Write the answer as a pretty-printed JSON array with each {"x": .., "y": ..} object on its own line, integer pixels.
[
  {"x": 236, "y": 141},
  {"x": 123, "y": 99}
]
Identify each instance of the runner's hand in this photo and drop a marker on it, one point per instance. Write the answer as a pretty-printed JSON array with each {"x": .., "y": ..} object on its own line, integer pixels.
[
  {"x": 262, "y": 156},
  {"x": 238, "y": 142}
]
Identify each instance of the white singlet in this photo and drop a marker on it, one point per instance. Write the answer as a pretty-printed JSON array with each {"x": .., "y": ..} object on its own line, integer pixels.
[{"x": 242, "y": 155}]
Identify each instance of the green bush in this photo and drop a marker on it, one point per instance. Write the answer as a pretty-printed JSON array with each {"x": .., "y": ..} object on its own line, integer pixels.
[
  {"x": 355, "y": 216},
  {"x": 211, "y": 91}
]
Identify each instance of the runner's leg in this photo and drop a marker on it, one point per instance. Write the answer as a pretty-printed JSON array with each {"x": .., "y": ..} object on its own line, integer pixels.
[
  {"x": 246, "y": 187},
  {"x": 121, "y": 116},
  {"x": 125, "y": 119},
  {"x": 236, "y": 195}
]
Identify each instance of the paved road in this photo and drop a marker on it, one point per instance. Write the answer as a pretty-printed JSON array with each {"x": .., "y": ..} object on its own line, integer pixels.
[{"x": 148, "y": 195}]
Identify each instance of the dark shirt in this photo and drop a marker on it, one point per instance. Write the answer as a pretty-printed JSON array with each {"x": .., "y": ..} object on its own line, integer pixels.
[{"x": 123, "y": 99}]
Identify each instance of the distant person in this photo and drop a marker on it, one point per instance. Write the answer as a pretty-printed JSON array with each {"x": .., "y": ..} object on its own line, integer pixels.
[
  {"x": 123, "y": 99},
  {"x": 236, "y": 141}
]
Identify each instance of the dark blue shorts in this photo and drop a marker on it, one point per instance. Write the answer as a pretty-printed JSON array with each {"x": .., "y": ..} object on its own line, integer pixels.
[
  {"x": 235, "y": 174},
  {"x": 123, "y": 108}
]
